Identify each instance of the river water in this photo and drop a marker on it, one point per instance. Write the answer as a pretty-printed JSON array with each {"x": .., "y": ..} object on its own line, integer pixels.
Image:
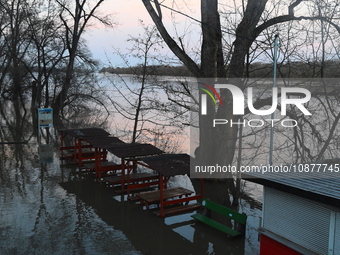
[{"x": 47, "y": 207}]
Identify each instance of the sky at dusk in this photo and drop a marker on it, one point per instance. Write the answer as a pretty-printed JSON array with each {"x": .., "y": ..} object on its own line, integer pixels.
[{"x": 126, "y": 14}]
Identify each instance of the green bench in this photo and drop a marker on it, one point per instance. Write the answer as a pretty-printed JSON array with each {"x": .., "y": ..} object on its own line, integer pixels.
[{"x": 237, "y": 217}]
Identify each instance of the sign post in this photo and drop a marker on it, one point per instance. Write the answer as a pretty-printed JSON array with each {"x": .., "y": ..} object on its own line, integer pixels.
[{"x": 45, "y": 119}]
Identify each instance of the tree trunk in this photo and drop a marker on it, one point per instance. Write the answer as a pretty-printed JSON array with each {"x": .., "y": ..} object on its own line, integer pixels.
[
  {"x": 61, "y": 97},
  {"x": 221, "y": 140}
]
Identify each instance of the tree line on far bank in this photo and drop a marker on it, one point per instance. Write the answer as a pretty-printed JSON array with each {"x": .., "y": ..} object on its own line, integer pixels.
[{"x": 296, "y": 69}]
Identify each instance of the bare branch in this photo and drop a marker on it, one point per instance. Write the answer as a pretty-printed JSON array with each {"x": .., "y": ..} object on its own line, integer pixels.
[{"x": 187, "y": 61}]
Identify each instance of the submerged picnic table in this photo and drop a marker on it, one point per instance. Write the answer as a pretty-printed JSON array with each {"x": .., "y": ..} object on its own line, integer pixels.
[
  {"x": 129, "y": 153},
  {"x": 169, "y": 165},
  {"x": 101, "y": 144},
  {"x": 163, "y": 165},
  {"x": 79, "y": 134}
]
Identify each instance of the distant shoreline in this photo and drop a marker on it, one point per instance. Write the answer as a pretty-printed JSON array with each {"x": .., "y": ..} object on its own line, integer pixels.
[{"x": 263, "y": 70}]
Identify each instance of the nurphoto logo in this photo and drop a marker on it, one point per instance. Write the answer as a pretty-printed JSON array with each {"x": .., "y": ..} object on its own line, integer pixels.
[{"x": 238, "y": 98}]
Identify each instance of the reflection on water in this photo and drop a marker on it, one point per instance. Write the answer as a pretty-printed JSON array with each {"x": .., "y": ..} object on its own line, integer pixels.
[
  {"x": 38, "y": 216},
  {"x": 47, "y": 208}
]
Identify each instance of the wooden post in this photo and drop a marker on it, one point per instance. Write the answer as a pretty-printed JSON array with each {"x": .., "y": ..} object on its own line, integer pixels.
[
  {"x": 96, "y": 163},
  {"x": 75, "y": 150},
  {"x": 123, "y": 174},
  {"x": 62, "y": 143},
  {"x": 128, "y": 179},
  {"x": 79, "y": 152},
  {"x": 99, "y": 161},
  {"x": 161, "y": 196}
]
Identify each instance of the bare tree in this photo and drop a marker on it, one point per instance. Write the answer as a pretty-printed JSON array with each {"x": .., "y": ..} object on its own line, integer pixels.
[
  {"x": 142, "y": 104},
  {"x": 45, "y": 54},
  {"x": 75, "y": 22},
  {"x": 142, "y": 47},
  {"x": 17, "y": 41},
  {"x": 254, "y": 21},
  {"x": 41, "y": 51}
]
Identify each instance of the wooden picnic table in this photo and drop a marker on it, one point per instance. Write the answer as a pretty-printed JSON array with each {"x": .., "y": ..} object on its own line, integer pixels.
[
  {"x": 168, "y": 165},
  {"x": 113, "y": 180},
  {"x": 136, "y": 180},
  {"x": 100, "y": 145},
  {"x": 153, "y": 197},
  {"x": 127, "y": 153},
  {"x": 102, "y": 167},
  {"x": 131, "y": 155},
  {"x": 78, "y": 135}
]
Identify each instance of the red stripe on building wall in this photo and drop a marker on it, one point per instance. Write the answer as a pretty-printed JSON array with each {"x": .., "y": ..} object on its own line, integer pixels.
[{"x": 269, "y": 246}]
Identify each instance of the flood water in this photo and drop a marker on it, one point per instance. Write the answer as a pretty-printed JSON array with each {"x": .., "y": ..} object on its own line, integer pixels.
[{"x": 49, "y": 208}]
